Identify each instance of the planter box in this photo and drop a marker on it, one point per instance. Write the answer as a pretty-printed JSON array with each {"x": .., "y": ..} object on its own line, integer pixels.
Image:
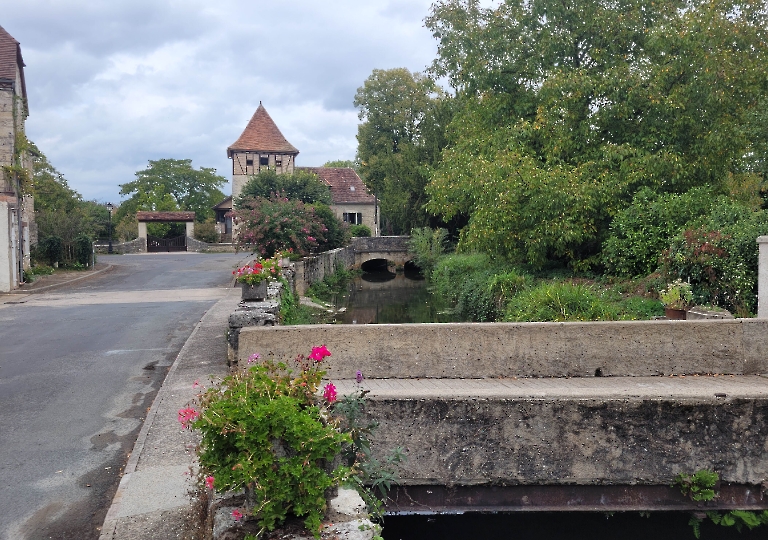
[{"x": 253, "y": 293}]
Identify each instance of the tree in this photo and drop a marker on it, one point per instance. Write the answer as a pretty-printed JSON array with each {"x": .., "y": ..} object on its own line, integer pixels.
[
  {"x": 343, "y": 163},
  {"x": 173, "y": 184},
  {"x": 568, "y": 109},
  {"x": 300, "y": 185},
  {"x": 404, "y": 116}
]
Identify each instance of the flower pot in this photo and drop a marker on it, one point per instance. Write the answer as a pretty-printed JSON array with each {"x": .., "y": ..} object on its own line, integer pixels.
[
  {"x": 674, "y": 313},
  {"x": 254, "y": 292}
]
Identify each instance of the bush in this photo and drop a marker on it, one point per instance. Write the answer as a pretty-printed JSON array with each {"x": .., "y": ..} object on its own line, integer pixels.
[
  {"x": 360, "y": 231},
  {"x": 51, "y": 250},
  {"x": 277, "y": 224},
  {"x": 427, "y": 247},
  {"x": 83, "y": 249},
  {"x": 557, "y": 302},
  {"x": 467, "y": 282},
  {"x": 206, "y": 232},
  {"x": 301, "y": 185},
  {"x": 127, "y": 229},
  {"x": 640, "y": 233},
  {"x": 719, "y": 257}
]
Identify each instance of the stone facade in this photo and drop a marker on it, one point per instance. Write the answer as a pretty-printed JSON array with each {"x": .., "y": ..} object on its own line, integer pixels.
[{"x": 17, "y": 209}]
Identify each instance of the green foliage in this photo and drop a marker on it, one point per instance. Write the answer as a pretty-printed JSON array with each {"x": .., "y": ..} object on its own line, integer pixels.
[
  {"x": 83, "y": 249},
  {"x": 127, "y": 228},
  {"x": 291, "y": 310},
  {"x": 557, "y": 302},
  {"x": 51, "y": 250},
  {"x": 300, "y": 185},
  {"x": 276, "y": 224},
  {"x": 206, "y": 232},
  {"x": 343, "y": 163},
  {"x": 718, "y": 255},
  {"x": 466, "y": 281},
  {"x": 172, "y": 184},
  {"x": 264, "y": 430},
  {"x": 699, "y": 486},
  {"x": 427, "y": 247},
  {"x": 677, "y": 295},
  {"x": 332, "y": 285},
  {"x": 360, "y": 231},
  {"x": 404, "y": 116},
  {"x": 641, "y": 232},
  {"x": 566, "y": 110}
]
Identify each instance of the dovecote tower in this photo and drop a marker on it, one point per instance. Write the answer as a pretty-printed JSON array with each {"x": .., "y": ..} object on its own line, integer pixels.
[{"x": 261, "y": 146}]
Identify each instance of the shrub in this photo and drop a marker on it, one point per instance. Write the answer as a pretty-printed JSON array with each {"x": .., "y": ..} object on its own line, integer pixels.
[
  {"x": 468, "y": 282},
  {"x": 301, "y": 185},
  {"x": 206, "y": 232},
  {"x": 427, "y": 246},
  {"x": 277, "y": 224},
  {"x": 556, "y": 302},
  {"x": 640, "y": 233},
  {"x": 51, "y": 250},
  {"x": 83, "y": 249},
  {"x": 360, "y": 231}
]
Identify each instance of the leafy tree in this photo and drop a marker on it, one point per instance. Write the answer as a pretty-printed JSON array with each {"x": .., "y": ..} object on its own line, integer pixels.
[
  {"x": 344, "y": 163},
  {"x": 404, "y": 116},
  {"x": 173, "y": 184},
  {"x": 568, "y": 109},
  {"x": 300, "y": 185}
]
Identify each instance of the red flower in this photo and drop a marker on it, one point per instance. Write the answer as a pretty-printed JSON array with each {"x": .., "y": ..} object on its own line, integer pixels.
[
  {"x": 318, "y": 353},
  {"x": 329, "y": 392},
  {"x": 188, "y": 415}
]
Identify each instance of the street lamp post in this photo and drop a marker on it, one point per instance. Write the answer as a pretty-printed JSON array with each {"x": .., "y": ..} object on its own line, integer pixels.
[{"x": 110, "y": 208}]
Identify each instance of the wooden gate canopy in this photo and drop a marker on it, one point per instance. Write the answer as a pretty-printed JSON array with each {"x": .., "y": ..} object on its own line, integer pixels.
[{"x": 164, "y": 217}]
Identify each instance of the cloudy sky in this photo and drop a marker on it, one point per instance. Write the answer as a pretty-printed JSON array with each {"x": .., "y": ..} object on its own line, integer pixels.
[{"x": 114, "y": 83}]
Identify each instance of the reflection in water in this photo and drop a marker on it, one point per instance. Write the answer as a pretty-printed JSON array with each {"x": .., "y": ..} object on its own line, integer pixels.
[{"x": 386, "y": 298}]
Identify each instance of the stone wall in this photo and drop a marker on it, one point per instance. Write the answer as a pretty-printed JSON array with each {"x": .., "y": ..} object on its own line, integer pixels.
[
  {"x": 312, "y": 269},
  {"x": 196, "y": 245},
  {"x": 139, "y": 245}
]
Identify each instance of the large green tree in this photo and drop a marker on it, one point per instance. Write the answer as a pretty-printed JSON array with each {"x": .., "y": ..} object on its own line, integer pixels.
[
  {"x": 300, "y": 185},
  {"x": 569, "y": 108},
  {"x": 173, "y": 184},
  {"x": 404, "y": 116}
]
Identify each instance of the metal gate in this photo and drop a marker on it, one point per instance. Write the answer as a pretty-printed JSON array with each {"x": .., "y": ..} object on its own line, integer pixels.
[{"x": 155, "y": 244}]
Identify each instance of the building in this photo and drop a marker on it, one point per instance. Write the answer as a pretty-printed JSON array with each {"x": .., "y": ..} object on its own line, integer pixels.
[
  {"x": 17, "y": 228},
  {"x": 262, "y": 146}
]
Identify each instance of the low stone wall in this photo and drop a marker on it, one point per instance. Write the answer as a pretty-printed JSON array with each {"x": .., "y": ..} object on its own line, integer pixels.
[
  {"x": 197, "y": 246},
  {"x": 481, "y": 350},
  {"x": 312, "y": 269},
  {"x": 139, "y": 245}
]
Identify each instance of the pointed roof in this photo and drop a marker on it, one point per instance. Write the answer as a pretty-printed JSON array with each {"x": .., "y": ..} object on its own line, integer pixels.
[
  {"x": 10, "y": 60},
  {"x": 262, "y": 135}
]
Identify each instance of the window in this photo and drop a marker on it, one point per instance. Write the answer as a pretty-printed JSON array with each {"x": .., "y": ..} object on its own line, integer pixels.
[
  {"x": 353, "y": 218},
  {"x": 249, "y": 163},
  {"x": 263, "y": 161}
]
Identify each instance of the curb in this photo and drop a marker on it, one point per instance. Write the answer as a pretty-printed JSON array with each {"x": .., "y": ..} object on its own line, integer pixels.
[{"x": 61, "y": 284}]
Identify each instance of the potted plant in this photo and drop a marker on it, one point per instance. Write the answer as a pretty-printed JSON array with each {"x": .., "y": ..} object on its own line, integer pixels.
[
  {"x": 256, "y": 276},
  {"x": 677, "y": 298}
]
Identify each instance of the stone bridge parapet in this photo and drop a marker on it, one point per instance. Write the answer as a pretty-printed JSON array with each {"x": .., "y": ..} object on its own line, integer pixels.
[{"x": 555, "y": 416}]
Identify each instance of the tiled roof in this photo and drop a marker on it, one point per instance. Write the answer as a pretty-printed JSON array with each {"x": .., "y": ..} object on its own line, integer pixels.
[
  {"x": 262, "y": 135},
  {"x": 10, "y": 59},
  {"x": 346, "y": 186},
  {"x": 165, "y": 216}
]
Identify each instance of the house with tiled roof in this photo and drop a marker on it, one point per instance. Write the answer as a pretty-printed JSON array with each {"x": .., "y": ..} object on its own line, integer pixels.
[
  {"x": 262, "y": 146},
  {"x": 16, "y": 208}
]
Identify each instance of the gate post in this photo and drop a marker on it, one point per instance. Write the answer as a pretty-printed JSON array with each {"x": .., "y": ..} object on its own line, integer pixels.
[{"x": 762, "y": 278}]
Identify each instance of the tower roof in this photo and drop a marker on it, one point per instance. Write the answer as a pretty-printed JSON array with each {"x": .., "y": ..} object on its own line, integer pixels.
[
  {"x": 261, "y": 135},
  {"x": 10, "y": 60}
]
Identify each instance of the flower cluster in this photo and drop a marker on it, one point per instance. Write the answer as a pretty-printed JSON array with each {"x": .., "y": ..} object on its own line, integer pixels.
[{"x": 253, "y": 274}]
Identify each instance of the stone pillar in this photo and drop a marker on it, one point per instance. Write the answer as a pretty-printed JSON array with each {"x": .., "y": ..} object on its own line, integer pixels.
[
  {"x": 143, "y": 230},
  {"x": 190, "y": 229},
  {"x": 762, "y": 278},
  {"x": 6, "y": 249}
]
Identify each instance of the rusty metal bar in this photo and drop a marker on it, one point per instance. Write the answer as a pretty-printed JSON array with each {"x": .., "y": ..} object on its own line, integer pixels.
[{"x": 566, "y": 498}]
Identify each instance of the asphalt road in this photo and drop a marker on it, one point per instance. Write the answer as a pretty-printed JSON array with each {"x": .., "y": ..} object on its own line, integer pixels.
[{"x": 79, "y": 368}]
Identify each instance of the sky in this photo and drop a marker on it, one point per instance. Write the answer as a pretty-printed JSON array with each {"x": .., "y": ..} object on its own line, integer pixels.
[{"x": 114, "y": 83}]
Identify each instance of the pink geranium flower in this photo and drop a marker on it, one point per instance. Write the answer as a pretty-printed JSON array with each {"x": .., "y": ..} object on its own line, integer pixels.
[
  {"x": 209, "y": 482},
  {"x": 187, "y": 416},
  {"x": 318, "y": 353},
  {"x": 329, "y": 392},
  {"x": 255, "y": 356},
  {"x": 237, "y": 514}
]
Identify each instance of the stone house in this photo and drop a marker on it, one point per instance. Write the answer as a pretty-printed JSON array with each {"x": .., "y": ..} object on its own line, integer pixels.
[
  {"x": 17, "y": 227},
  {"x": 262, "y": 146}
]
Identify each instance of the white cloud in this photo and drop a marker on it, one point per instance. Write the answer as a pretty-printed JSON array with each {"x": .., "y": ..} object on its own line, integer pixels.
[{"x": 114, "y": 84}]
